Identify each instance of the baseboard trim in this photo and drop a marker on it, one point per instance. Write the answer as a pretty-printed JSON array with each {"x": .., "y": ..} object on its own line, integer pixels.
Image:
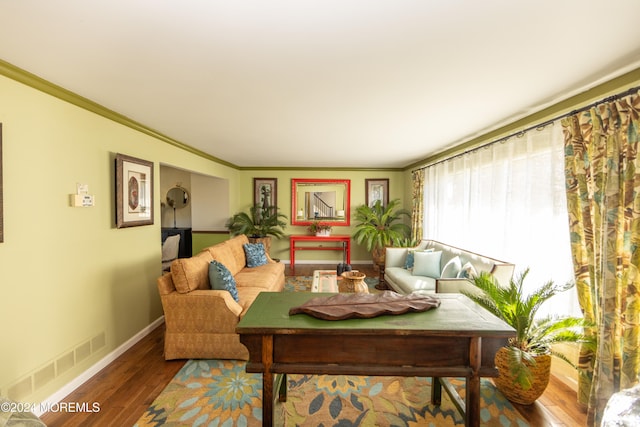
[{"x": 97, "y": 367}]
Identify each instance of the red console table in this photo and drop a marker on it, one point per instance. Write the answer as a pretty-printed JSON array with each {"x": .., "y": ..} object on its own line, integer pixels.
[{"x": 345, "y": 246}]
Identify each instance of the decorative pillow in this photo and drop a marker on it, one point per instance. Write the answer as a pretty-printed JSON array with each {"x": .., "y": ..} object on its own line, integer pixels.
[
  {"x": 189, "y": 274},
  {"x": 255, "y": 254},
  {"x": 427, "y": 264},
  {"x": 468, "y": 271},
  {"x": 452, "y": 268},
  {"x": 221, "y": 279},
  {"x": 410, "y": 259}
]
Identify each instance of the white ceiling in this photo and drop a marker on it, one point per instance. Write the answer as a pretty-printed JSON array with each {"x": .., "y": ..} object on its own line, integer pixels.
[{"x": 325, "y": 83}]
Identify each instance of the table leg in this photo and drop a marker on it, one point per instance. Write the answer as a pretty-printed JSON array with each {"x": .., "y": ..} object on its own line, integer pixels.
[
  {"x": 348, "y": 249},
  {"x": 267, "y": 381},
  {"x": 472, "y": 400},
  {"x": 436, "y": 391}
]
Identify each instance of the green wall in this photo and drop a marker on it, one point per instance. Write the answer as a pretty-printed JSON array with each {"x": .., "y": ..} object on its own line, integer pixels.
[
  {"x": 280, "y": 248},
  {"x": 204, "y": 240},
  {"x": 73, "y": 287}
]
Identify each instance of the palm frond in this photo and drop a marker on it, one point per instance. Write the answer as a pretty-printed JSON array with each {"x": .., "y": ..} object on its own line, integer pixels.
[
  {"x": 379, "y": 226},
  {"x": 258, "y": 222},
  {"x": 533, "y": 335}
]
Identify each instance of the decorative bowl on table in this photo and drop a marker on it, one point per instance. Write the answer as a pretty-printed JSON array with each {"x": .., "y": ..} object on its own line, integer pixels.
[{"x": 353, "y": 282}]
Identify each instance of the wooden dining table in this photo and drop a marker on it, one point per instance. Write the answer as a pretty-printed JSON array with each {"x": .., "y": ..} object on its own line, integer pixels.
[{"x": 457, "y": 339}]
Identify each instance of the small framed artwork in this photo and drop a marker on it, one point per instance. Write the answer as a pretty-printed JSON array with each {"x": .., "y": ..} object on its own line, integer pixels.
[
  {"x": 265, "y": 192},
  {"x": 134, "y": 191},
  {"x": 377, "y": 189}
]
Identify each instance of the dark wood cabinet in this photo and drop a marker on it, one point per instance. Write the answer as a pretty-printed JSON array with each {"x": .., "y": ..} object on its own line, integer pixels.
[{"x": 186, "y": 248}]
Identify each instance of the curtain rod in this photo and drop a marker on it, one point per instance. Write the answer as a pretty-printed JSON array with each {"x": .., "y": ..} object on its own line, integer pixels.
[{"x": 538, "y": 126}]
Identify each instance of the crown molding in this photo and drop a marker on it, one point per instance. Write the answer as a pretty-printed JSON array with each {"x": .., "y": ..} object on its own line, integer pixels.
[
  {"x": 317, "y": 168},
  {"x": 38, "y": 83},
  {"x": 624, "y": 79}
]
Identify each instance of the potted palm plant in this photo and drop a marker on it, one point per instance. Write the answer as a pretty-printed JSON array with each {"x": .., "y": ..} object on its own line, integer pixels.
[
  {"x": 380, "y": 226},
  {"x": 259, "y": 224},
  {"x": 524, "y": 366}
]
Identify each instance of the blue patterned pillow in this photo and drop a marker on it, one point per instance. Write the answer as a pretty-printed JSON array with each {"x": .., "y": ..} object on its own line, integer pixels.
[
  {"x": 221, "y": 279},
  {"x": 408, "y": 262},
  {"x": 255, "y": 254}
]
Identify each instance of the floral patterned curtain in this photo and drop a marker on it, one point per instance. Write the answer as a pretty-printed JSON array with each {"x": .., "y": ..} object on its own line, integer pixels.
[
  {"x": 417, "y": 208},
  {"x": 603, "y": 199}
]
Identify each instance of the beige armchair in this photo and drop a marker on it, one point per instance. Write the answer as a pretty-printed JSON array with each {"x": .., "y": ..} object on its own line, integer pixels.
[{"x": 200, "y": 324}]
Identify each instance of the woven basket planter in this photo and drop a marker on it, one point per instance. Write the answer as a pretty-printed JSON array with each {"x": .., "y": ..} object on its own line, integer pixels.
[
  {"x": 266, "y": 242},
  {"x": 378, "y": 255},
  {"x": 353, "y": 281},
  {"x": 513, "y": 391}
]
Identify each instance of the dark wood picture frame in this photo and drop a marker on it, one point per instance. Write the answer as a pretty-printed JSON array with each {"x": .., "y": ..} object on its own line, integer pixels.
[
  {"x": 134, "y": 191},
  {"x": 376, "y": 189},
  {"x": 1, "y": 205},
  {"x": 269, "y": 184}
]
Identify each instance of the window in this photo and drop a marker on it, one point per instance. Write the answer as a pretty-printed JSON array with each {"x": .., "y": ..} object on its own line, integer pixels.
[{"x": 508, "y": 201}]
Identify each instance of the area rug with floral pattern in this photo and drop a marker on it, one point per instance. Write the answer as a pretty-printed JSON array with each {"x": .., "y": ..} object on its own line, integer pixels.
[{"x": 221, "y": 393}]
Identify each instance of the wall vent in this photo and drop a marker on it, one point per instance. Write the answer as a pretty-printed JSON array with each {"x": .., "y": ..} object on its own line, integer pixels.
[
  {"x": 44, "y": 375},
  {"x": 24, "y": 387},
  {"x": 64, "y": 363},
  {"x": 20, "y": 390}
]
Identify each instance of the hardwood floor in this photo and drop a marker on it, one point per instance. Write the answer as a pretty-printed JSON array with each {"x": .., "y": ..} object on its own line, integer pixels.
[{"x": 128, "y": 386}]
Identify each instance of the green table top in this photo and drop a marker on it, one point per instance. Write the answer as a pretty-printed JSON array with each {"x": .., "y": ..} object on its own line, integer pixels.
[{"x": 456, "y": 315}]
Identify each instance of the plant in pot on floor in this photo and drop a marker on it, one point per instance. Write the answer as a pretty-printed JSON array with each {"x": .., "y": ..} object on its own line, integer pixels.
[
  {"x": 260, "y": 224},
  {"x": 381, "y": 226},
  {"x": 524, "y": 366}
]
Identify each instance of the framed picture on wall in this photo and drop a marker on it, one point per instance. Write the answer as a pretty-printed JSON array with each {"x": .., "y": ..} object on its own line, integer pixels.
[
  {"x": 376, "y": 189},
  {"x": 265, "y": 192},
  {"x": 134, "y": 191}
]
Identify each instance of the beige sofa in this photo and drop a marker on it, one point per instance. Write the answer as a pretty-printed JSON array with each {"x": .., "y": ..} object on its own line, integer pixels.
[
  {"x": 201, "y": 322},
  {"x": 448, "y": 279}
]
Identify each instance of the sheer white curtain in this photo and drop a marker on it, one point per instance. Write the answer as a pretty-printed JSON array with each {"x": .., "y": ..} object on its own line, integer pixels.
[{"x": 508, "y": 201}]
